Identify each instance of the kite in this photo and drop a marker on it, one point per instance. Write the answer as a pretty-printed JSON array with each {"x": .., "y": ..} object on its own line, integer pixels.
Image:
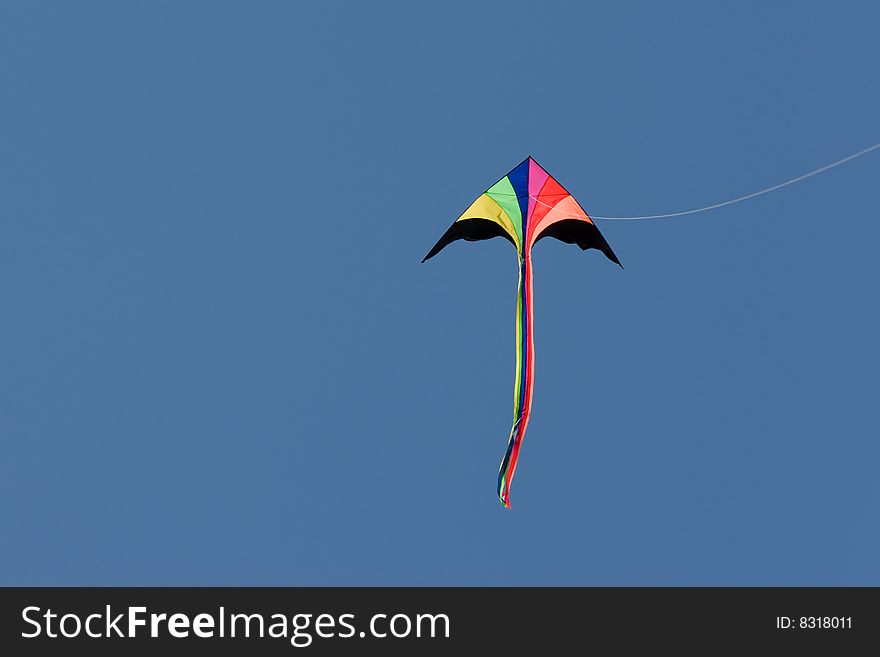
[{"x": 525, "y": 206}]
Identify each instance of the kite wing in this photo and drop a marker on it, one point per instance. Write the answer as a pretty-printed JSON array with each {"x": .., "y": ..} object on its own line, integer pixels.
[
  {"x": 555, "y": 213},
  {"x": 526, "y": 205},
  {"x": 493, "y": 214}
]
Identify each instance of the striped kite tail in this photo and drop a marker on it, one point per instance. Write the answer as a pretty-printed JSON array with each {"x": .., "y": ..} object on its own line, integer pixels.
[{"x": 522, "y": 391}]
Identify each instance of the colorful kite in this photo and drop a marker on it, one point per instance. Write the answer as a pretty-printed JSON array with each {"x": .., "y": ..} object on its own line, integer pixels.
[{"x": 526, "y": 205}]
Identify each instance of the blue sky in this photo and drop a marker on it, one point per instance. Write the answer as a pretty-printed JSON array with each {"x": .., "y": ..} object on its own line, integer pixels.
[{"x": 221, "y": 361}]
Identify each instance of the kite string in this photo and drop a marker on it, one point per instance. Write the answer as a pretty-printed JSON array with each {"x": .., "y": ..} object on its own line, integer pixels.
[
  {"x": 746, "y": 197},
  {"x": 738, "y": 199}
]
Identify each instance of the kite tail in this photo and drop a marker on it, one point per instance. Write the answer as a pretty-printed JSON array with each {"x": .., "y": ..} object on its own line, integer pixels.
[{"x": 522, "y": 390}]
